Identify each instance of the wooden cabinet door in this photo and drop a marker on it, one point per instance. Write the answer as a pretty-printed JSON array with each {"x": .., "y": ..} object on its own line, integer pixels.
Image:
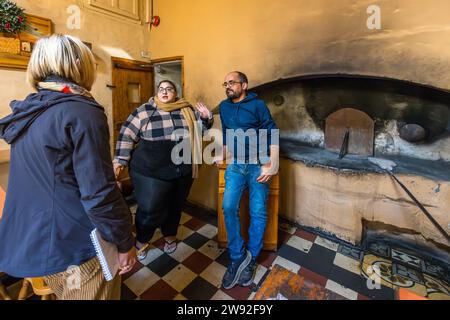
[{"x": 271, "y": 235}]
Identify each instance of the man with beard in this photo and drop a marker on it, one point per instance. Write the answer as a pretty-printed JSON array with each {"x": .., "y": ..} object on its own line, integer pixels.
[{"x": 250, "y": 138}]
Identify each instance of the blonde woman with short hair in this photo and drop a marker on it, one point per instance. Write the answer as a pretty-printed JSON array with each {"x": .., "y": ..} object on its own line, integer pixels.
[{"x": 61, "y": 181}]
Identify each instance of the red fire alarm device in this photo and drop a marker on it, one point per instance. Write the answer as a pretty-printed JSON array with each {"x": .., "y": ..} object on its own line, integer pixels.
[{"x": 156, "y": 20}]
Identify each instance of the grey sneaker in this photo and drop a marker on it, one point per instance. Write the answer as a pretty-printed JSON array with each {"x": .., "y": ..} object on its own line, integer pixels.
[
  {"x": 231, "y": 277},
  {"x": 248, "y": 274}
]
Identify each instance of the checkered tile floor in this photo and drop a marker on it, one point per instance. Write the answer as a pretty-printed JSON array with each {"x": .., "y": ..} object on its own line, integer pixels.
[{"x": 195, "y": 270}]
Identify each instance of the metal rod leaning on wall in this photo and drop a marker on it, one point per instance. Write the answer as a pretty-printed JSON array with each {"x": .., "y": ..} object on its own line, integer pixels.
[{"x": 424, "y": 210}]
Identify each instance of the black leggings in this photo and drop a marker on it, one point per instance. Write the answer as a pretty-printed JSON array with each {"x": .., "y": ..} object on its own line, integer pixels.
[{"x": 159, "y": 205}]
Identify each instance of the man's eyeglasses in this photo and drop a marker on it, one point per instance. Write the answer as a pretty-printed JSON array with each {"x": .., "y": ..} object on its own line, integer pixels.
[
  {"x": 230, "y": 83},
  {"x": 168, "y": 89}
]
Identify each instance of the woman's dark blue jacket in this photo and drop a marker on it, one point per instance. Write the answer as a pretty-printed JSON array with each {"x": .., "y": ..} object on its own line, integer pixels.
[{"x": 61, "y": 185}]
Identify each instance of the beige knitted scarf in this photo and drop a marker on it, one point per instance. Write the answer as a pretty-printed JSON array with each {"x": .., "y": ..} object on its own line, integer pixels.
[{"x": 194, "y": 130}]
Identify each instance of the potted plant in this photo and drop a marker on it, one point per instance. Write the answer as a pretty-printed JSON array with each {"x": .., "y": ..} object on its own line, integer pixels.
[{"x": 12, "y": 21}]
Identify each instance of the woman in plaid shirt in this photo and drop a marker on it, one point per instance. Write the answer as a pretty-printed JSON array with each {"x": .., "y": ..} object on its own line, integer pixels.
[{"x": 145, "y": 145}]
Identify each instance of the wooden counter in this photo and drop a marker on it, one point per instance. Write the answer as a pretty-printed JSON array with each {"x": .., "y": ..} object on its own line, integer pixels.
[{"x": 271, "y": 235}]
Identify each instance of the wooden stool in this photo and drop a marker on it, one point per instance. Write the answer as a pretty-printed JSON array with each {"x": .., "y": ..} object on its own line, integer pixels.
[
  {"x": 3, "y": 292},
  {"x": 39, "y": 288}
]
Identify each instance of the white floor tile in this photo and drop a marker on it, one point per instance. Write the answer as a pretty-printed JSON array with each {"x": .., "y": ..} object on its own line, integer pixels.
[
  {"x": 300, "y": 244},
  {"x": 185, "y": 218},
  {"x": 183, "y": 252},
  {"x": 347, "y": 263},
  {"x": 179, "y": 278},
  {"x": 341, "y": 290},
  {"x": 214, "y": 274},
  {"x": 327, "y": 244},
  {"x": 208, "y": 231},
  {"x": 152, "y": 254},
  {"x": 183, "y": 233},
  {"x": 259, "y": 274},
  {"x": 289, "y": 265},
  {"x": 220, "y": 295},
  {"x": 211, "y": 249},
  {"x": 141, "y": 281},
  {"x": 158, "y": 235}
]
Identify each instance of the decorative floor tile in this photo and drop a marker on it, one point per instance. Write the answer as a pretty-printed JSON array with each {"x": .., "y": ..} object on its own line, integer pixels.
[
  {"x": 380, "y": 249},
  {"x": 208, "y": 231},
  {"x": 333, "y": 246},
  {"x": 300, "y": 244},
  {"x": 197, "y": 262},
  {"x": 378, "y": 268},
  {"x": 406, "y": 258},
  {"x": 434, "y": 270},
  {"x": 214, "y": 274},
  {"x": 409, "y": 273},
  {"x": 141, "y": 281},
  {"x": 199, "y": 289},
  {"x": 159, "y": 291},
  {"x": 347, "y": 263},
  {"x": 289, "y": 265},
  {"x": 183, "y": 252},
  {"x": 211, "y": 249},
  {"x": 341, "y": 290},
  {"x": 180, "y": 277},
  {"x": 196, "y": 241},
  {"x": 350, "y": 252},
  {"x": 434, "y": 285},
  {"x": 163, "y": 265},
  {"x": 220, "y": 295}
]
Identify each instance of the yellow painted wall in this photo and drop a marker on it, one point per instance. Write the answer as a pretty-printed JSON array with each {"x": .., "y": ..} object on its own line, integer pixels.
[
  {"x": 109, "y": 36},
  {"x": 271, "y": 39}
]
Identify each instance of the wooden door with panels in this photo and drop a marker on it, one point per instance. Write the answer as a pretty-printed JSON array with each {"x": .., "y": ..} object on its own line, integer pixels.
[{"x": 132, "y": 86}]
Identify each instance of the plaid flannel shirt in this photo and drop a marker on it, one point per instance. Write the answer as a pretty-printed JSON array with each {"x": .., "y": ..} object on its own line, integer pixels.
[{"x": 151, "y": 124}]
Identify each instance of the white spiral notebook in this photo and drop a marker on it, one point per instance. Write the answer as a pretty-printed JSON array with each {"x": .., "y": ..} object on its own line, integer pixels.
[{"x": 107, "y": 254}]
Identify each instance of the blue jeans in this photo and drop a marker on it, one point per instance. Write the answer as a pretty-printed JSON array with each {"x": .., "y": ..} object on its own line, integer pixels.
[{"x": 238, "y": 178}]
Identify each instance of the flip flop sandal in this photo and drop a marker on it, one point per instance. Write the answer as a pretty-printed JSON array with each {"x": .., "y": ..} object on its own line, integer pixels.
[
  {"x": 170, "y": 247},
  {"x": 142, "y": 253}
]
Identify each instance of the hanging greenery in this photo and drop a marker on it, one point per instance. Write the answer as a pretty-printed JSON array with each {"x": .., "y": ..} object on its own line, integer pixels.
[{"x": 12, "y": 17}]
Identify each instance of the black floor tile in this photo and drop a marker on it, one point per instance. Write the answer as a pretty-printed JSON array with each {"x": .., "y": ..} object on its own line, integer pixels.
[
  {"x": 224, "y": 259},
  {"x": 126, "y": 294},
  {"x": 319, "y": 260},
  {"x": 196, "y": 240},
  {"x": 163, "y": 265},
  {"x": 292, "y": 254},
  {"x": 199, "y": 289}
]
